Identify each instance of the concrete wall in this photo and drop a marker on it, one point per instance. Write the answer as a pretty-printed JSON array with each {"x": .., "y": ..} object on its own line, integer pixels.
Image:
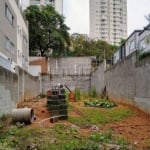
[
  {"x": 8, "y": 90},
  {"x": 120, "y": 80},
  {"x": 15, "y": 87},
  {"x": 73, "y": 71},
  {"x": 72, "y": 81},
  {"x": 127, "y": 81},
  {"x": 28, "y": 86},
  {"x": 70, "y": 65},
  {"x": 142, "y": 85},
  {"x": 97, "y": 79}
]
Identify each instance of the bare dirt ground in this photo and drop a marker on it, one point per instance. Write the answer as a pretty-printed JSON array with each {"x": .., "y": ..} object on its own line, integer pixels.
[{"x": 136, "y": 129}]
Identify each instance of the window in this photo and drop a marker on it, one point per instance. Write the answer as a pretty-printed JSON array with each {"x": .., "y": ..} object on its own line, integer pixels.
[
  {"x": 132, "y": 45},
  {"x": 25, "y": 42},
  {"x": 9, "y": 45},
  {"x": 9, "y": 15},
  {"x": 35, "y": 2},
  {"x": 49, "y": 1},
  {"x": 6, "y": 43}
]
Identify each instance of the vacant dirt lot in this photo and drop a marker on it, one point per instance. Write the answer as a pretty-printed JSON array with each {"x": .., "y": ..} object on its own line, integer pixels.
[{"x": 135, "y": 128}]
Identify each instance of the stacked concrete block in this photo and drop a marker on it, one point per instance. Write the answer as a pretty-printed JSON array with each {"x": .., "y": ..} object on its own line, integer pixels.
[{"x": 57, "y": 104}]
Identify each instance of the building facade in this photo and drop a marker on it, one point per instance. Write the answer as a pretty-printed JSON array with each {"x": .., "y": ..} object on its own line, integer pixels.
[
  {"x": 144, "y": 39},
  {"x": 58, "y": 4},
  {"x": 108, "y": 20},
  {"x": 138, "y": 41},
  {"x": 13, "y": 36}
]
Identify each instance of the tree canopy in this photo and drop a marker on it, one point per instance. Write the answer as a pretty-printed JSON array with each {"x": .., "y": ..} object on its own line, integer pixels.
[
  {"x": 47, "y": 30},
  {"x": 81, "y": 45}
]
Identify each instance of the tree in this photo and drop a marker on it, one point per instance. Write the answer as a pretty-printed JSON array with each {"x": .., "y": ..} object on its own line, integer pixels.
[
  {"x": 47, "y": 30},
  {"x": 81, "y": 45}
]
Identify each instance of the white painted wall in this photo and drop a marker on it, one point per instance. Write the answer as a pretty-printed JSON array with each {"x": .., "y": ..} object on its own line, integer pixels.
[
  {"x": 4, "y": 62},
  {"x": 132, "y": 43},
  {"x": 35, "y": 70},
  {"x": 116, "y": 57},
  {"x": 59, "y": 6},
  {"x": 22, "y": 30},
  {"x": 144, "y": 43}
]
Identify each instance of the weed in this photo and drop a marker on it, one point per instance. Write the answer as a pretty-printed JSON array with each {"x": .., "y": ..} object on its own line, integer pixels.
[
  {"x": 67, "y": 95},
  {"x": 122, "y": 141},
  {"x": 1, "y": 126},
  {"x": 77, "y": 94},
  {"x": 85, "y": 95},
  {"x": 147, "y": 143},
  {"x": 4, "y": 117},
  {"x": 93, "y": 92},
  {"x": 102, "y": 137}
]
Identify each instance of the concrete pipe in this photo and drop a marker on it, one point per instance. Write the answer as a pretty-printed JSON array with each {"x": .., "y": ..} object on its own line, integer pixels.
[{"x": 25, "y": 115}]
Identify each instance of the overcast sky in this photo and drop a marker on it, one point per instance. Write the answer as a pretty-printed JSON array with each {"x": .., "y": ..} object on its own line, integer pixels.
[{"x": 77, "y": 15}]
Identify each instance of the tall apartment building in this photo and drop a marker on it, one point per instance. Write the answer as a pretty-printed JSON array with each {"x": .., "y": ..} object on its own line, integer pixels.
[
  {"x": 58, "y": 4},
  {"x": 14, "y": 49},
  {"x": 108, "y": 20}
]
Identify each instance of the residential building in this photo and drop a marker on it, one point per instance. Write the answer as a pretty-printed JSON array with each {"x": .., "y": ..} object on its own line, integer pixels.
[
  {"x": 22, "y": 39},
  {"x": 139, "y": 40},
  {"x": 120, "y": 53},
  {"x": 108, "y": 20},
  {"x": 144, "y": 39},
  {"x": 13, "y": 32},
  {"x": 58, "y": 4},
  {"x": 132, "y": 42}
]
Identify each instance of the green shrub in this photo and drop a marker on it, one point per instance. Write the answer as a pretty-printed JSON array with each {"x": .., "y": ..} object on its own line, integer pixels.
[{"x": 144, "y": 55}]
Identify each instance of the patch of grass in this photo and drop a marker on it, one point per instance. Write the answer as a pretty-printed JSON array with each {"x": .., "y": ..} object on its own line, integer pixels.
[
  {"x": 122, "y": 141},
  {"x": 147, "y": 142},
  {"x": 69, "y": 138},
  {"x": 95, "y": 116},
  {"x": 102, "y": 137},
  {"x": 84, "y": 95},
  {"x": 62, "y": 136}
]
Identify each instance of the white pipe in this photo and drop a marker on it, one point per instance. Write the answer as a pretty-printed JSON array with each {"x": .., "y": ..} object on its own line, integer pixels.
[{"x": 23, "y": 84}]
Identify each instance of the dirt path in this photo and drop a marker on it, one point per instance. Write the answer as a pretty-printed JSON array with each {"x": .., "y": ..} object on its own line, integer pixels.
[{"x": 136, "y": 129}]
